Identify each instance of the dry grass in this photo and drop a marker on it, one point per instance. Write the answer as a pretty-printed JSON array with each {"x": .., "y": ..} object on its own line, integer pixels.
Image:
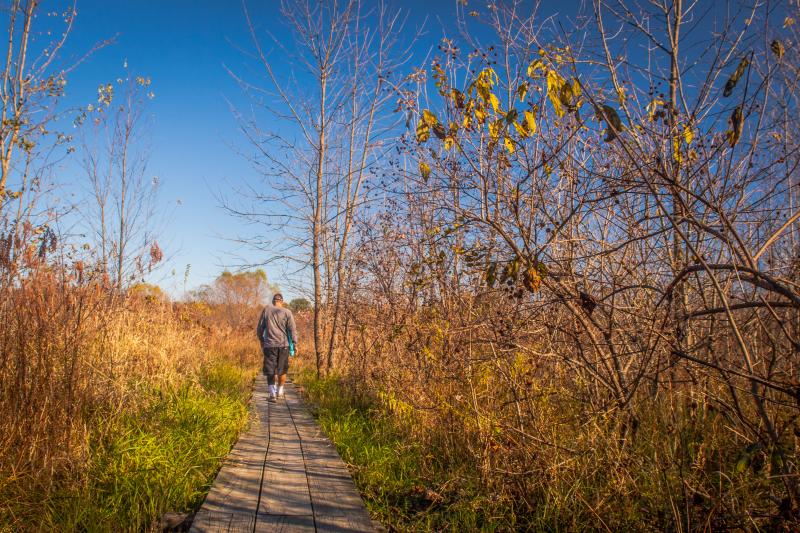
[
  {"x": 515, "y": 437},
  {"x": 75, "y": 360}
]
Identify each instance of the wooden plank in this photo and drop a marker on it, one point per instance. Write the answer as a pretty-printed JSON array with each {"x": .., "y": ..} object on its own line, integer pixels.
[
  {"x": 269, "y": 523},
  {"x": 340, "y": 503},
  {"x": 344, "y": 524},
  {"x": 338, "y": 506},
  {"x": 222, "y": 522},
  {"x": 283, "y": 475},
  {"x": 232, "y": 502},
  {"x": 284, "y": 491}
]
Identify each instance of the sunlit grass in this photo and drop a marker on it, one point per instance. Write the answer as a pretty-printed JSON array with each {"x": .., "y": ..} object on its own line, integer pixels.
[
  {"x": 405, "y": 486},
  {"x": 160, "y": 459}
]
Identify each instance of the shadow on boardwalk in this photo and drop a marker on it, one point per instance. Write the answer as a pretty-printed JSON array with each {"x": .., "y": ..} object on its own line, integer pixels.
[{"x": 283, "y": 475}]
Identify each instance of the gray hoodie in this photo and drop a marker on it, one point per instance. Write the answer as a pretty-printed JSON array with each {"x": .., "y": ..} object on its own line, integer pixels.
[{"x": 275, "y": 326}]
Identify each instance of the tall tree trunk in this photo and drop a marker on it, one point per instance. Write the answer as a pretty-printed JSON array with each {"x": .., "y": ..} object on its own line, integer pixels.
[{"x": 317, "y": 230}]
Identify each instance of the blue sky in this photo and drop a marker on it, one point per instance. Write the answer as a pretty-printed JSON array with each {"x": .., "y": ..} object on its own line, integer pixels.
[{"x": 185, "y": 47}]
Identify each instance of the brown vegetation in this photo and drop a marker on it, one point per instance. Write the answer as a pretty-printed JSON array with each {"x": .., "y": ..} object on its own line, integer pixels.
[
  {"x": 75, "y": 356},
  {"x": 578, "y": 273},
  {"x": 86, "y": 352}
]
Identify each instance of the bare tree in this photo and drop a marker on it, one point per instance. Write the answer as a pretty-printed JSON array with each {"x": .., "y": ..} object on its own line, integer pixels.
[
  {"x": 115, "y": 161},
  {"x": 347, "y": 56},
  {"x": 30, "y": 86}
]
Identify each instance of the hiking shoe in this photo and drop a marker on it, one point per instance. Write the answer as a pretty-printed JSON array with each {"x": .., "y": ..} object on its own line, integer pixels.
[
  {"x": 272, "y": 398},
  {"x": 281, "y": 392}
]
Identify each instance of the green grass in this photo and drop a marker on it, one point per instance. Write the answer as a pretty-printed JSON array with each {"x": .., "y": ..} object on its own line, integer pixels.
[
  {"x": 401, "y": 482},
  {"x": 162, "y": 458}
]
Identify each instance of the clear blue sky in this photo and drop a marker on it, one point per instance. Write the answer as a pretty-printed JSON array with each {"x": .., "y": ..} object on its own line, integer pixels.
[{"x": 184, "y": 46}]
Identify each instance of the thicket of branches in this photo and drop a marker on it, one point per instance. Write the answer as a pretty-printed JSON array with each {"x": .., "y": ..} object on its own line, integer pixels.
[{"x": 577, "y": 268}]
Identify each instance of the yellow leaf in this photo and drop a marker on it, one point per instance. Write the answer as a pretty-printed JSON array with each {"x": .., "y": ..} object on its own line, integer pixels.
[
  {"x": 777, "y": 48},
  {"x": 576, "y": 87},
  {"x": 737, "y": 125},
  {"x": 522, "y": 90},
  {"x": 568, "y": 95},
  {"x": 494, "y": 130},
  {"x": 555, "y": 83},
  {"x": 652, "y": 108},
  {"x": 531, "y": 279},
  {"x": 676, "y": 150},
  {"x": 509, "y": 145},
  {"x": 788, "y": 21},
  {"x": 530, "y": 122},
  {"x": 536, "y": 64},
  {"x": 424, "y": 170},
  {"x": 423, "y": 131},
  {"x": 448, "y": 142},
  {"x": 429, "y": 117},
  {"x": 494, "y": 102},
  {"x": 521, "y": 131},
  {"x": 484, "y": 82},
  {"x": 688, "y": 134}
]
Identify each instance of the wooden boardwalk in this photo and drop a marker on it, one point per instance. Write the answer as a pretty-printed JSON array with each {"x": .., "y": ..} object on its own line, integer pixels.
[{"x": 283, "y": 475}]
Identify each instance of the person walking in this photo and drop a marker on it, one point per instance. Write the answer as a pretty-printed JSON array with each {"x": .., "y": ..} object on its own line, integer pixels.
[{"x": 278, "y": 335}]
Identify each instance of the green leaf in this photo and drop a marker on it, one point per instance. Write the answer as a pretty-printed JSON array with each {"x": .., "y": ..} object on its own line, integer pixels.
[
  {"x": 511, "y": 116},
  {"x": 747, "y": 456},
  {"x": 490, "y": 276},
  {"x": 611, "y": 118}
]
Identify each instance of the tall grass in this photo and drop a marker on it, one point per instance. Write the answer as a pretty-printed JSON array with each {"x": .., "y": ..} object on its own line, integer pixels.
[
  {"x": 407, "y": 485},
  {"x": 426, "y": 461},
  {"x": 113, "y": 410},
  {"x": 161, "y": 458}
]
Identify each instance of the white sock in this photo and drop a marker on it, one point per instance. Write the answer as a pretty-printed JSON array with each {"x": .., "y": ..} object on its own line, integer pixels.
[
  {"x": 272, "y": 390},
  {"x": 280, "y": 390}
]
